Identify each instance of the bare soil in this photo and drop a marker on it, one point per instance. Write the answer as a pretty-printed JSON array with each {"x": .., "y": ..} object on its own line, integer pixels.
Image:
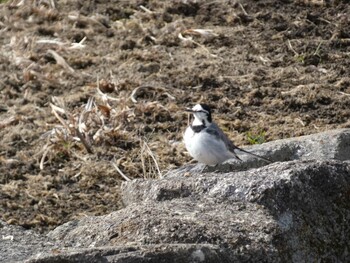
[{"x": 270, "y": 69}]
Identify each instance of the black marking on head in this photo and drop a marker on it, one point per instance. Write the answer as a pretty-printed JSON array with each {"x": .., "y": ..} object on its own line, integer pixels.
[
  {"x": 198, "y": 128},
  {"x": 207, "y": 108}
]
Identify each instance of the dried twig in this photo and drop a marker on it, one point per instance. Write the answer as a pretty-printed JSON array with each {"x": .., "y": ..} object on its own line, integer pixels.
[
  {"x": 291, "y": 48},
  {"x": 120, "y": 171},
  {"x": 133, "y": 93},
  {"x": 146, "y": 148},
  {"x": 146, "y": 9},
  {"x": 190, "y": 40},
  {"x": 60, "y": 60},
  {"x": 201, "y": 32},
  {"x": 50, "y": 41},
  {"x": 84, "y": 141},
  {"x": 343, "y": 93},
  {"x": 153, "y": 158},
  {"x": 56, "y": 109},
  {"x": 300, "y": 121},
  {"x": 243, "y": 10},
  {"x": 46, "y": 150},
  {"x": 79, "y": 45}
]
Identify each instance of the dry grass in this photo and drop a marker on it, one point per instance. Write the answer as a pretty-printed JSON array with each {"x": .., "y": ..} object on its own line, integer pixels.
[{"x": 103, "y": 123}]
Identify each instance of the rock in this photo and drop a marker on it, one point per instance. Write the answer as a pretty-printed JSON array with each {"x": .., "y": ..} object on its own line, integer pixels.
[
  {"x": 321, "y": 146},
  {"x": 152, "y": 254},
  {"x": 17, "y": 243},
  {"x": 294, "y": 211},
  {"x": 297, "y": 210}
]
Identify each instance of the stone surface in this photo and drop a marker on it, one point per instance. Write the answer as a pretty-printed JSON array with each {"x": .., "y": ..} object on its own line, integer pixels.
[
  {"x": 321, "y": 146},
  {"x": 292, "y": 211},
  {"x": 17, "y": 243},
  {"x": 125, "y": 254}
]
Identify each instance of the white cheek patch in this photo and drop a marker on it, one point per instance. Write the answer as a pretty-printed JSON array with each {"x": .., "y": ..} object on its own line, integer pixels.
[{"x": 197, "y": 121}]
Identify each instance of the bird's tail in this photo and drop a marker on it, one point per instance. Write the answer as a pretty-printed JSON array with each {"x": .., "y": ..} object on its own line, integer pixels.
[{"x": 255, "y": 155}]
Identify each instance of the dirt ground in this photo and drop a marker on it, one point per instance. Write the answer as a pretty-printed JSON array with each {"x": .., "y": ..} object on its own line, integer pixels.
[{"x": 93, "y": 91}]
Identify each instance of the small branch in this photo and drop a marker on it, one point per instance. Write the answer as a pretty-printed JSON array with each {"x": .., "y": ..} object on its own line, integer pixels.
[
  {"x": 54, "y": 111},
  {"x": 83, "y": 140},
  {"x": 243, "y": 10},
  {"x": 60, "y": 60},
  {"x": 190, "y": 40},
  {"x": 133, "y": 93},
  {"x": 343, "y": 93},
  {"x": 317, "y": 49},
  {"x": 146, "y": 9},
  {"x": 47, "y": 148},
  {"x": 153, "y": 158},
  {"x": 120, "y": 172},
  {"x": 291, "y": 48}
]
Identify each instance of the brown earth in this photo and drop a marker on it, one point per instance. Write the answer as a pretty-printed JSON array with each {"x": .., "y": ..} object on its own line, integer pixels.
[{"x": 271, "y": 70}]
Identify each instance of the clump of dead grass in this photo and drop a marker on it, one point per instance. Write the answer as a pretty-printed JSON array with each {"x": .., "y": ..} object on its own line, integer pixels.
[{"x": 115, "y": 126}]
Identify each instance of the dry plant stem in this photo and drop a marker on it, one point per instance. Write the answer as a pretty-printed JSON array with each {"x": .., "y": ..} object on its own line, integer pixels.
[
  {"x": 119, "y": 171},
  {"x": 201, "y": 32},
  {"x": 243, "y": 10},
  {"x": 317, "y": 49},
  {"x": 88, "y": 107},
  {"x": 343, "y": 93},
  {"x": 84, "y": 141},
  {"x": 53, "y": 5},
  {"x": 181, "y": 37},
  {"x": 60, "y": 60},
  {"x": 154, "y": 159},
  {"x": 133, "y": 93},
  {"x": 50, "y": 41},
  {"x": 54, "y": 110},
  {"x": 47, "y": 148},
  {"x": 291, "y": 48},
  {"x": 300, "y": 121},
  {"x": 79, "y": 45},
  {"x": 146, "y": 9}
]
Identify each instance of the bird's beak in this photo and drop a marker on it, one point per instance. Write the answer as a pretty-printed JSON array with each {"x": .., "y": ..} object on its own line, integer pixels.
[{"x": 189, "y": 110}]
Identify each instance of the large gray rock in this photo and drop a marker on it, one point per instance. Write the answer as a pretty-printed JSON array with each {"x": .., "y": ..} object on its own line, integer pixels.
[
  {"x": 291, "y": 211},
  {"x": 294, "y": 211},
  {"x": 17, "y": 243},
  {"x": 126, "y": 254},
  {"x": 333, "y": 144}
]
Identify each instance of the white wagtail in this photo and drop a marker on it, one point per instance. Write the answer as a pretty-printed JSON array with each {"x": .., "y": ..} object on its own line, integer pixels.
[{"x": 206, "y": 142}]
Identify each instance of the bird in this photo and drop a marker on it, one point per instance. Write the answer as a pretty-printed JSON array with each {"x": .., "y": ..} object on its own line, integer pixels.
[{"x": 206, "y": 142}]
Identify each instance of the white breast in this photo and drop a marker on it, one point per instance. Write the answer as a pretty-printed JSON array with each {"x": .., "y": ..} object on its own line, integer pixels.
[{"x": 205, "y": 148}]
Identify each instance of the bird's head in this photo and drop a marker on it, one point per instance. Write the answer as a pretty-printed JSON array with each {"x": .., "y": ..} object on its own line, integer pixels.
[{"x": 201, "y": 113}]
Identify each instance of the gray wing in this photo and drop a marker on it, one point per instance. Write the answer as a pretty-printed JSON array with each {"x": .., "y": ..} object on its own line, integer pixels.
[{"x": 214, "y": 130}]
